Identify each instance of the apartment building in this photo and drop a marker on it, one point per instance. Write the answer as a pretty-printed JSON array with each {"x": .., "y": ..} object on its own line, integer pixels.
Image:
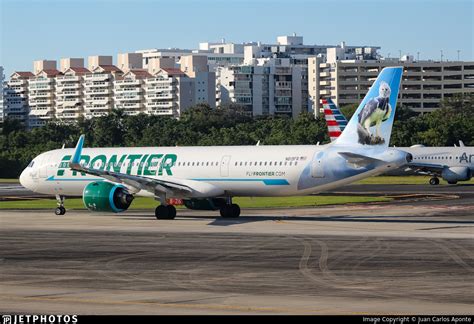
[
  {"x": 16, "y": 96},
  {"x": 129, "y": 92},
  {"x": 169, "y": 92},
  {"x": 268, "y": 87},
  {"x": 197, "y": 68},
  {"x": 41, "y": 97},
  {"x": 424, "y": 83},
  {"x": 99, "y": 89},
  {"x": 70, "y": 93}
]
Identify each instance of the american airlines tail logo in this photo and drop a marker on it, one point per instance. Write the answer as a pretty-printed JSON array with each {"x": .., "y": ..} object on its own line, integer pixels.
[{"x": 143, "y": 164}]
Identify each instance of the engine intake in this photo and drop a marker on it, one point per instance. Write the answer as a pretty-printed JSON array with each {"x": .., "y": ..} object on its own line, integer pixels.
[{"x": 106, "y": 196}]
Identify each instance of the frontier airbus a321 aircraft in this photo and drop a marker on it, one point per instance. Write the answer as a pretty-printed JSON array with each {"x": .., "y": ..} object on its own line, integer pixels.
[{"x": 208, "y": 177}]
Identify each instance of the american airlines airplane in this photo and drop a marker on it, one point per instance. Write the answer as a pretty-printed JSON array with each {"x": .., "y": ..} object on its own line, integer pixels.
[
  {"x": 208, "y": 177},
  {"x": 452, "y": 164}
]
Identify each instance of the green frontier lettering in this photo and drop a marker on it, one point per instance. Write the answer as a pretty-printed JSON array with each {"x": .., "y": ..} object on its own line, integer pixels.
[
  {"x": 100, "y": 158},
  {"x": 132, "y": 158},
  {"x": 166, "y": 164},
  {"x": 113, "y": 166},
  {"x": 149, "y": 164}
]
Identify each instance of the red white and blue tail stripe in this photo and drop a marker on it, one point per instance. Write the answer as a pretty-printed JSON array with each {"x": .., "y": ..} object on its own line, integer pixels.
[{"x": 335, "y": 120}]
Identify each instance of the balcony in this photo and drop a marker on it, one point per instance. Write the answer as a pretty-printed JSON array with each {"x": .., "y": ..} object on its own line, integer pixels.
[
  {"x": 91, "y": 85},
  {"x": 128, "y": 90},
  {"x": 160, "y": 96},
  {"x": 97, "y": 77},
  {"x": 159, "y": 88},
  {"x": 17, "y": 82},
  {"x": 283, "y": 85},
  {"x": 127, "y": 82},
  {"x": 68, "y": 93},
  {"x": 129, "y": 106},
  {"x": 97, "y": 101},
  {"x": 40, "y": 95},
  {"x": 65, "y": 86},
  {"x": 158, "y": 81},
  {"x": 40, "y": 87},
  {"x": 166, "y": 104},
  {"x": 104, "y": 91}
]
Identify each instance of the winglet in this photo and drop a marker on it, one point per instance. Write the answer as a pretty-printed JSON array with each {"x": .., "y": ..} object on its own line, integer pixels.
[{"x": 76, "y": 158}]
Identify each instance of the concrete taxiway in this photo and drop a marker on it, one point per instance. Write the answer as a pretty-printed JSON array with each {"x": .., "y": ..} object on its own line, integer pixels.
[{"x": 410, "y": 256}]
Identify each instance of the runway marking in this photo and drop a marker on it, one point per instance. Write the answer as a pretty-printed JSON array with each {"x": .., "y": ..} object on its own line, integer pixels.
[{"x": 168, "y": 305}]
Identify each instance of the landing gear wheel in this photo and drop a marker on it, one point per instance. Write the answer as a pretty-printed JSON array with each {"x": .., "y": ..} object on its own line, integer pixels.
[
  {"x": 60, "y": 211},
  {"x": 165, "y": 212},
  {"x": 434, "y": 181},
  {"x": 161, "y": 212},
  {"x": 171, "y": 211},
  {"x": 230, "y": 211}
]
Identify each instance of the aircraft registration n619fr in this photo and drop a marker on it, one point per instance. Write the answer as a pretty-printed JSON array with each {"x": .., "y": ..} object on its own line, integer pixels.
[{"x": 207, "y": 177}]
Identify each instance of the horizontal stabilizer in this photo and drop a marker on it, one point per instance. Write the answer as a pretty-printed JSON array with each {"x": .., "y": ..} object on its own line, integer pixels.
[{"x": 358, "y": 159}]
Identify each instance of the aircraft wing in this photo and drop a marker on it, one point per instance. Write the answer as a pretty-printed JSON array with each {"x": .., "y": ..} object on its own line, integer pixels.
[{"x": 169, "y": 186}]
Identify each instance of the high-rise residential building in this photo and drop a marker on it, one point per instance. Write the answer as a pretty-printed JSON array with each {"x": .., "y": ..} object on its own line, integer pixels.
[
  {"x": 41, "y": 97},
  {"x": 99, "y": 90},
  {"x": 169, "y": 92},
  {"x": 70, "y": 94},
  {"x": 424, "y": 83},
  {"x": 268, "y": 87},
  {"x": 16, "y": 96},
  {"x": 196, "y": 67},
  {"x": 129, "y": 93}
]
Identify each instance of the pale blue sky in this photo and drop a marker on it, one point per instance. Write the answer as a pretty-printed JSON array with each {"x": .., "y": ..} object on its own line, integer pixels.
[{"x": 52, "y": 29}]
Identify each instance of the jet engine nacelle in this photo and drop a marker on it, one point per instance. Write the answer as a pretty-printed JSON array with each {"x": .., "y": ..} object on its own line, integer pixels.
[
  {"x": 454, "y": 174},
  {"x": 204, "y": 204},
  {"x": 106, "y": 196}
]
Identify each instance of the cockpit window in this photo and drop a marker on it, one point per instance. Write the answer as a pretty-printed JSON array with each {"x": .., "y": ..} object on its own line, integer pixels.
[{"x": 31, "y": 164}]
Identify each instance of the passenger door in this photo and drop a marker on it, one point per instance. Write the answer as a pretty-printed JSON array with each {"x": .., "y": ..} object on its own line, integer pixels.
[
  {"x": 225, "y": 166},
  {"x": 44, "y": 166}
]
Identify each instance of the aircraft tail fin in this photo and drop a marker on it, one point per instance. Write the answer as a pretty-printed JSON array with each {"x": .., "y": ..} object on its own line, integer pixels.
[
  {"x": 335, "y": 120},
  {"x": 371, "y": 124}
]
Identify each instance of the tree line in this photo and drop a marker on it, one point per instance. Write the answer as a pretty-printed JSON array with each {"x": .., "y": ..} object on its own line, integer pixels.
[{"x": 202, "y": 125}]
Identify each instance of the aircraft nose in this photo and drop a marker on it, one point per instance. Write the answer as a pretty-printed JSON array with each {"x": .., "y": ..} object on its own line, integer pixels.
[{"x": 25, "y": 179}]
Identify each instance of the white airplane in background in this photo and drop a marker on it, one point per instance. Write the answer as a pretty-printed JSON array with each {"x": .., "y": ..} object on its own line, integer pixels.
[
  {"x": 208, "y": 177},
  {"x": 453, "y": 164}
]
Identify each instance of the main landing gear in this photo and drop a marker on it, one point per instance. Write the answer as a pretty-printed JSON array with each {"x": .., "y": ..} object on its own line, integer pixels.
[
  {"x": 230, "y": 210},
  {"x": 165, "y": 212},
  {"x": 60, "y": 210},
  {"x": 434, "y": 181}
]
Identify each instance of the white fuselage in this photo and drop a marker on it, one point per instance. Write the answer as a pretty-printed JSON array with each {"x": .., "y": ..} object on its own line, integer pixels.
[{"x": 237, "y": 170}]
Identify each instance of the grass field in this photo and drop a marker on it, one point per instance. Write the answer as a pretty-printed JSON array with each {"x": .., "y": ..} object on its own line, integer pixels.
[{"x": 244, "y": 202}]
